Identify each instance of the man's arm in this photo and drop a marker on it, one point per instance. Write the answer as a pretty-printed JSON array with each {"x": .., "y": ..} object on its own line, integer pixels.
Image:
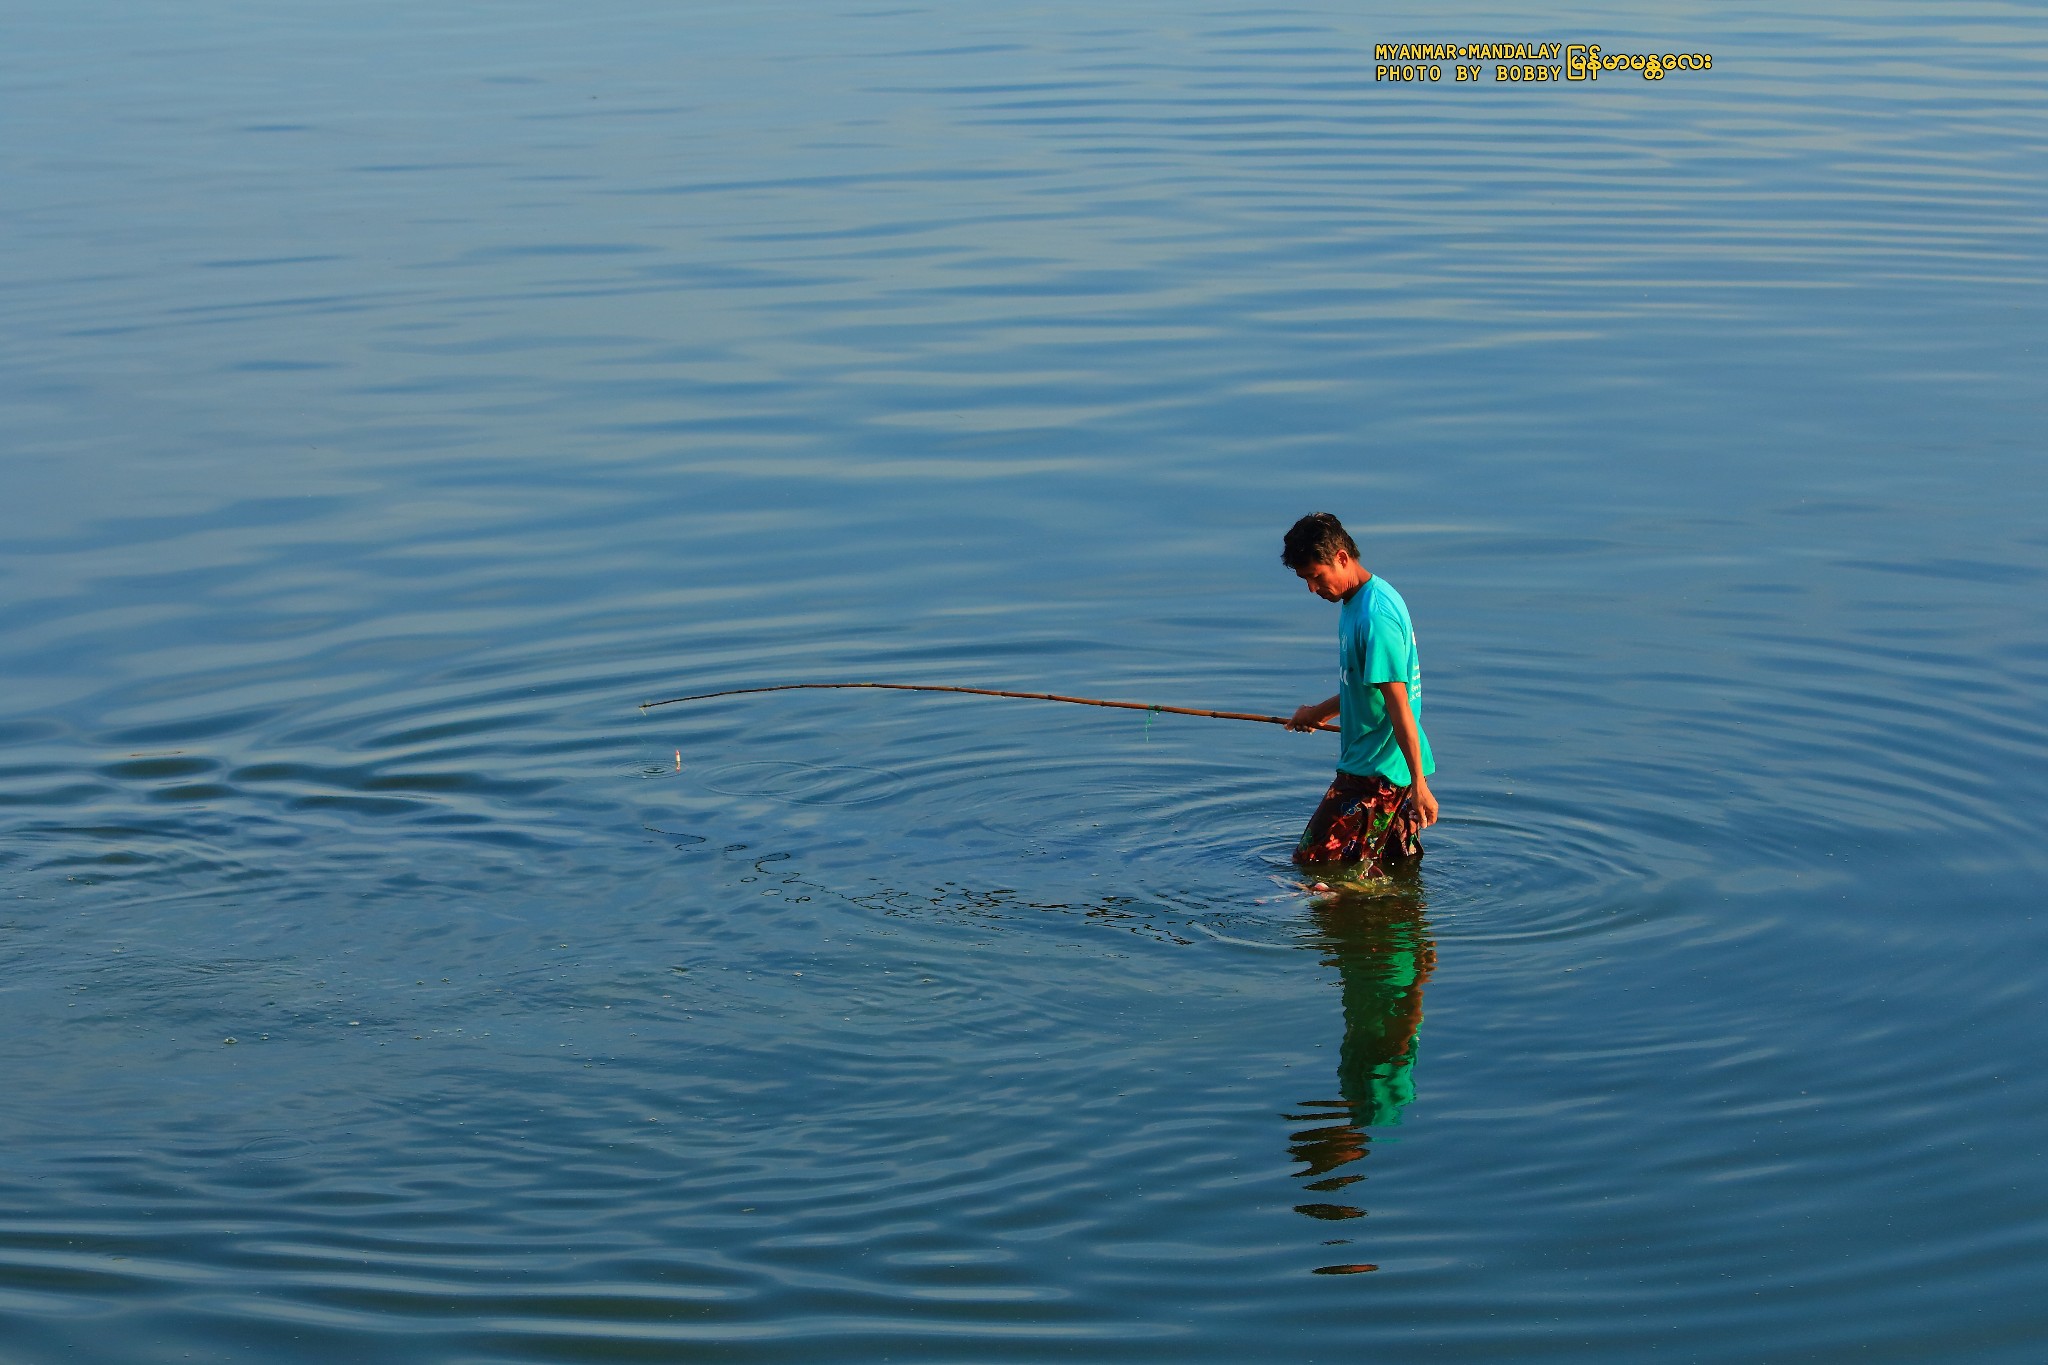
[
  {"x": 1395, "y": 695},
  {"x": 1309, "y": 717}
]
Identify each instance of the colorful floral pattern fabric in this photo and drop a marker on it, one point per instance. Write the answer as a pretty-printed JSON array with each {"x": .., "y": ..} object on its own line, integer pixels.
[{"x": 1363, "y": 821}]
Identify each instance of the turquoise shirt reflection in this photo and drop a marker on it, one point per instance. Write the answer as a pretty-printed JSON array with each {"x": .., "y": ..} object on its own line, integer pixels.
[{"x": 1378, "y": 940}]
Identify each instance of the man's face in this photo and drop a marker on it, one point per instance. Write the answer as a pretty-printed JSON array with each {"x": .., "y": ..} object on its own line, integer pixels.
[{"x": 1332, "y": 579}]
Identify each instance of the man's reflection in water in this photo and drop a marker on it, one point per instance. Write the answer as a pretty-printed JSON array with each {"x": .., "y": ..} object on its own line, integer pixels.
[{"x": 1379, "y": 943}]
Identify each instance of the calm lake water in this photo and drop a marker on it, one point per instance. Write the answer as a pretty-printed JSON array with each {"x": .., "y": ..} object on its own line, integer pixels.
[{"x": 396, "y": 396}]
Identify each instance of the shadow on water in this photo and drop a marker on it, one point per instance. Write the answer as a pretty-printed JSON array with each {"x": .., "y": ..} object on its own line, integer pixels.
[{"x": 1378, "y": 940}]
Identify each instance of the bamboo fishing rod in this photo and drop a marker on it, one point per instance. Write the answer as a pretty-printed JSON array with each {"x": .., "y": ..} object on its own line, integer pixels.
[{"x": 984, "y": 692}]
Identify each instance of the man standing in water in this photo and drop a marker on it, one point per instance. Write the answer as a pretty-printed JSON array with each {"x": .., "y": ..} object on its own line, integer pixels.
[{"x": 1380, "y": 800}]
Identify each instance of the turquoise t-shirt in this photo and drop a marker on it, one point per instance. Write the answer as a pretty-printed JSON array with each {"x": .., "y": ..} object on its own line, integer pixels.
[{"x": 1376, "y": 644}]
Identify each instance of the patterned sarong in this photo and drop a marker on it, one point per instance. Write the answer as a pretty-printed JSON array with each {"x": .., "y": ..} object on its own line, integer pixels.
[{"x": 1362, "y": 820}]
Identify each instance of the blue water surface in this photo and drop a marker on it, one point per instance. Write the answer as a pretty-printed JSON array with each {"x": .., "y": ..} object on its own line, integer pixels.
[{"x": 394, "y": 397}]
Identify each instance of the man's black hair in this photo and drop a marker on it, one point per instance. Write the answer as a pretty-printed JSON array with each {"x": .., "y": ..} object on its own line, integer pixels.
[{"x": 1315, "y": 539}]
